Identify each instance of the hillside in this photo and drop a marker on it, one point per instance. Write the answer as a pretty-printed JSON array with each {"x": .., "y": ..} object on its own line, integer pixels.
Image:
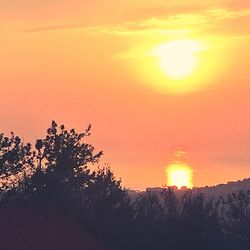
[{"x": 208, "y": 191}]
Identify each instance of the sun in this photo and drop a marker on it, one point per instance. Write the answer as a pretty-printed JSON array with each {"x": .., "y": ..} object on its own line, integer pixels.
[
  {"x": 179, "y": 175},
  {"x": 175, "y": 66},
  {"x": 178, "y": 58}
]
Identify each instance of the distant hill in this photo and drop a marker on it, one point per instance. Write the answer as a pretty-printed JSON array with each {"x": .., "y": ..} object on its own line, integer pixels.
[
  {"x": 208, "y": 191},
  {"x": 224, "y": 189}
]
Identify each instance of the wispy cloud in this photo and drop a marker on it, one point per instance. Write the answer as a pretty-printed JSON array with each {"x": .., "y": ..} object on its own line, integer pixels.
[
  {"x": 203, "y": 21},
  {"x": 225, "y": 20}
]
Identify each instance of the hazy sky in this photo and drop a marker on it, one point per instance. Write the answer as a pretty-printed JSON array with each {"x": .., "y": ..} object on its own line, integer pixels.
[{"x": 81, "y": 62}]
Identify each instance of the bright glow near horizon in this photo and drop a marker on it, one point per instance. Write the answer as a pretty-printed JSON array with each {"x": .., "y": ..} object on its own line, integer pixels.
[{"x": 179, "y": 175}]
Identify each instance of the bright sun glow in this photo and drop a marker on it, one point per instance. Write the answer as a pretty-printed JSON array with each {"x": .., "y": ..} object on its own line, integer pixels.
[
  {"x": 178, "y": 58},
  {"x": 179, "y": 175},
  {"x": 176, "y": 66}
]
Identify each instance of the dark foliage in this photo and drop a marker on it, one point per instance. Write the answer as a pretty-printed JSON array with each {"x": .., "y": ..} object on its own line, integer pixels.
[
  {"x": 50, "y": 199},
  {"x": 16, "y": 163}
]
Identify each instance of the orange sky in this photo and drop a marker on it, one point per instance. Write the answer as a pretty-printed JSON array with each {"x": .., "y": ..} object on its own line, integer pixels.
[{"x": 81, "y": 62}]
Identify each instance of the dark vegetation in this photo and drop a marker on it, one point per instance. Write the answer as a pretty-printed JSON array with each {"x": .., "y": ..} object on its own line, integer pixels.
[{"x": 50, "y": 199}]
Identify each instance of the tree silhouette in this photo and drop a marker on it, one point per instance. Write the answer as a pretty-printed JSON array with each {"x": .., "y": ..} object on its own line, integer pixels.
[
  {"x": 16, "y": 162},
  {"x": 107, "y": 209},
  {"x": 236, "y": 218},
  {"x": 200, "y": 223},
  {"x": 62, "y": 172},
  {"x": 148, "y": 216}
]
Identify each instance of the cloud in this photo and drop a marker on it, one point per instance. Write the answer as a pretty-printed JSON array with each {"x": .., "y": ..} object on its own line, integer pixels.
[
  {"x": 211, "y": 20},
  {"x": 225, "y": 19}
]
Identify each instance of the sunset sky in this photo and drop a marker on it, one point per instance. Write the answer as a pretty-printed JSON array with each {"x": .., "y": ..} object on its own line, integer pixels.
[{"x": 104, "y": 63}]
